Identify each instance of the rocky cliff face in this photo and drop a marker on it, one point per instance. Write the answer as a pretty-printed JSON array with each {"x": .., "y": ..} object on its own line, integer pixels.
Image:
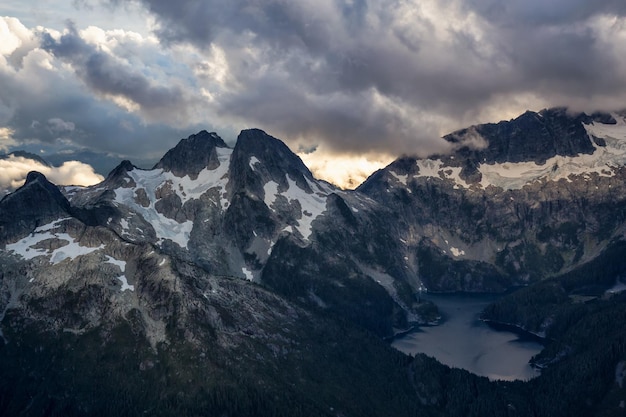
[
  {"x": 542, "y": 194},
  {"x": 192, "y": 155},
  {"x": 37, "y": 202}
]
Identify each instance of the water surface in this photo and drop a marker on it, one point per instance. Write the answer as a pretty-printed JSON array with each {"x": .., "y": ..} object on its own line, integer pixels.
[{"x": 463, "y": 341}]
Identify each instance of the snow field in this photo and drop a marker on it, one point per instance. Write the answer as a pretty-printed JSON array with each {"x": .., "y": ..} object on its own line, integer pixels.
[{"x": 25, "y": 247}]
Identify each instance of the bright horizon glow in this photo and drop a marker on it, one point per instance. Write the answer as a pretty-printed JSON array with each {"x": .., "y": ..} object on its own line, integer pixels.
[{"x": 344, "y": 171}]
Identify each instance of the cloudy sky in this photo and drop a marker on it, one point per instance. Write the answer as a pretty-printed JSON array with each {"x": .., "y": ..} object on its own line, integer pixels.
[{"x": 348, "y": 84}]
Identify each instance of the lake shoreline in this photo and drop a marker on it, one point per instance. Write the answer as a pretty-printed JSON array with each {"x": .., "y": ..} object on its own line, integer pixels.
[
  {"x": 463, "y": 339},
  {"x": 500, "y": 326}
]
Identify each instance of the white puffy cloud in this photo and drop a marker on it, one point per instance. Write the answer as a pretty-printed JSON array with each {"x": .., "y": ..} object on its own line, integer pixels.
[
  {"x": 14, "y": 169},
  {"x": 6, "y": 140}
]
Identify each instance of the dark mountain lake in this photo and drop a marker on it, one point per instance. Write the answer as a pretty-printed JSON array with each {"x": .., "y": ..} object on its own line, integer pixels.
[{"x": 463, "y": 341}]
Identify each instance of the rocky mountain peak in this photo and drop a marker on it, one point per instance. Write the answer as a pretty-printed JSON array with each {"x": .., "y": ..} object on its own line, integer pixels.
[
  {"x": 399, "y": 170},
  {"x": 259, "y": 158},
  {"x": 123, "y": 167},
  {"x": 36, "y": 202},
  {"x": 192, "y": 155},
  {"x": 37, "y": 185},
  {"x": 530, "y": 137},
  {"x": 117, "y": 175},
  {"x": 34, "y": 176},
  {"x": 550, "y": 145}
]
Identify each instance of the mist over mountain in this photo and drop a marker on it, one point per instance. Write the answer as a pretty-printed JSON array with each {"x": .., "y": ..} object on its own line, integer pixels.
[{"x": 232, "y": 281}]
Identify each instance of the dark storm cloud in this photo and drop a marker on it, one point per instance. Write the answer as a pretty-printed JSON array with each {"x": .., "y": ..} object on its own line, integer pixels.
[
  {"x": 386, "y": 76},
  {"x": 322, "y": 64},
  {"x": 283, "y": 23},
  {"x": 567, "y": 61},
  {"x": 391, "y": 75},
  {"x": 71, "y": 119},
  {"x": 107, "y": 74},
  {"x": 354, "y": 121},
  {"x": 564, "y": 52},
  {"x": 531, "y": 13}
]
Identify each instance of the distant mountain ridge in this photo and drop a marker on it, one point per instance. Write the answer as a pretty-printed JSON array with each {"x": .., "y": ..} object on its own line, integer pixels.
[{"x": 26, "y": 155}]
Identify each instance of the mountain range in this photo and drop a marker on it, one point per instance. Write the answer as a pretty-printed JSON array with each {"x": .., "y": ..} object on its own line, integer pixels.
[{"x": 231, "y": 281}]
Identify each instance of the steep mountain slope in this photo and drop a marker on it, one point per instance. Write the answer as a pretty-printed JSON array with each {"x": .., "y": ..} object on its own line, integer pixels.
[{"x": 517, "y": 202}]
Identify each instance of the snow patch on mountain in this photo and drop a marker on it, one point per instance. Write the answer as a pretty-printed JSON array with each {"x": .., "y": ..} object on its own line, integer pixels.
[
  {"x": 188, "y": 189},
  {"x": 437, "y": 169},
  {"x": 457, "y": 252},
  {"x": 71, "y": 251},
  {"x": 270, "y": 189},
  {"x": 122, "y": 278},
  {"x": 247, "y": 273},
  {"x": 313, "y": 205},
  {"x": 26, "y": 247},
  {"x": 33, "y": 245},
  {"x": 401, "y": 178},
  {"x": 164, "y": 227},
  {"x": 125, "y": 226}
]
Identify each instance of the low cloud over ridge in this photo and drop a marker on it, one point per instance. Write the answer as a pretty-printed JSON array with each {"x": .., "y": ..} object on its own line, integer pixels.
[{"x": 14, "y": 169}]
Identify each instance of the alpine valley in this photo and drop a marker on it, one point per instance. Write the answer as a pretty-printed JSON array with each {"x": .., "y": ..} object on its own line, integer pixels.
[{"x": 231, "y": 282}]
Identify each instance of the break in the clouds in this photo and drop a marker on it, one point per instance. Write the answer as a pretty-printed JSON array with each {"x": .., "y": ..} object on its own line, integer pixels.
[{"x": 368, "y": 80}]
